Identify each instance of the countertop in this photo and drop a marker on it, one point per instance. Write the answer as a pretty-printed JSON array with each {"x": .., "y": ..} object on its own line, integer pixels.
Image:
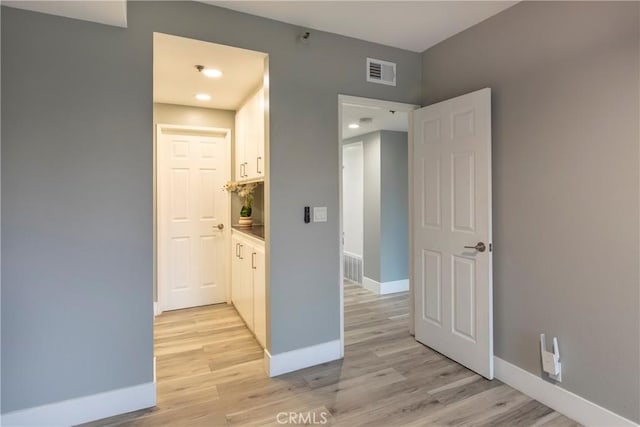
[{"x": 254, "y": 230}]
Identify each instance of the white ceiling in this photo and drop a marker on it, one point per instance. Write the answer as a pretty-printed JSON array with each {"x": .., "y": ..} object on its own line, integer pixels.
[
  {"x": 383, "y": 119},
  {"x": 176, "y": 80},
  {"x": 110, "y": 12},
  {"x": 411, "y": 25}
]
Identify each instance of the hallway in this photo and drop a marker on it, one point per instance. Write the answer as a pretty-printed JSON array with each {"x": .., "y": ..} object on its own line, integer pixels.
[{"x": 210, "y": 373}]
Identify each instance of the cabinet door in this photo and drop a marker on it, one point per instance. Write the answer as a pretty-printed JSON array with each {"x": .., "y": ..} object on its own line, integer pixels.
[
  {"x": 236, "y": 272},
  {"x": 240, "y": 141},
  {"x": 259, "y": 295},
  {"x": 260, "y": 133},
  {"x": 246, "y": 308},
  {"x": 251, "y": 145},
  {"x": 242, "y": 280}
]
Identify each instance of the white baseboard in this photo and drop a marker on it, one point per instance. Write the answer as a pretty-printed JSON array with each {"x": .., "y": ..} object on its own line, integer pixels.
[
  {"x": 156, "y": 308},
  {"x": 385, "y": 287},
  {"x": 84, "y": 409},
  {"x": 294, "y": 360},
  {"x": 557, "y": 398}
]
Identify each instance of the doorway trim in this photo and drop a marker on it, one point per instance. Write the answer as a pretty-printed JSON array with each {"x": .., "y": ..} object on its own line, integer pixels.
[
  {"x": 159, "y": 198},
  {"x": 392, "y": 105}
]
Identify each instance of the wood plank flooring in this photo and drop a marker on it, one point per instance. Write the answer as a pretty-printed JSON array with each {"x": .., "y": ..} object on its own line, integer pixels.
[{"x": 210, "y": 373}]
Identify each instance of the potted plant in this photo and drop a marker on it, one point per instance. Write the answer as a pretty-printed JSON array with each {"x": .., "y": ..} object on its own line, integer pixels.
[{"x": 245, "y": 191}]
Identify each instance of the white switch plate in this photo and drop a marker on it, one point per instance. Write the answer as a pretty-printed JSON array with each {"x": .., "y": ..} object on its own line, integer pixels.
[{"x": 320, "y": 214}]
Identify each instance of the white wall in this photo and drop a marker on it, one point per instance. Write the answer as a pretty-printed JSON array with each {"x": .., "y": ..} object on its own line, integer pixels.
[{"x": 353, "y": 198}]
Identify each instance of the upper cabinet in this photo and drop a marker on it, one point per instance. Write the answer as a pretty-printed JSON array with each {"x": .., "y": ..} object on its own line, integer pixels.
[{"x": 250, "y": 127}]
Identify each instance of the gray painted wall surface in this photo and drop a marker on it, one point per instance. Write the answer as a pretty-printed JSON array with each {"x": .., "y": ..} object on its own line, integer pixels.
[
  {"x": 372, "y": 213},
  {"x": 77, "y": 188},
  {"x": 394, "y": 202},
  {"x": 564, "y": 78},
  {"x": 386, "y": 233}
]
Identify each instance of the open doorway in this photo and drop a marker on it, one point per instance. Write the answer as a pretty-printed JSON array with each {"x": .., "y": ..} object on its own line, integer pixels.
[
  {"x": 374, "y": 217},
  {"x": 210, "y": 120}
]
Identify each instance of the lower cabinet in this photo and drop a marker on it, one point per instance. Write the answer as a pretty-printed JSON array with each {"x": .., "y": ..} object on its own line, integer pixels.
[{"x": 248, "y": 283}]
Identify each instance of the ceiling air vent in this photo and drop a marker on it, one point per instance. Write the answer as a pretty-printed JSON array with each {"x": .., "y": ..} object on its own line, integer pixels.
[{"x": 382, "y": 72}]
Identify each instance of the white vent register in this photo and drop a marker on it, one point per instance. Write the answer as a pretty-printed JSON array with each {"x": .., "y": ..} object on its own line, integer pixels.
[{"x": 382, "y": 72}]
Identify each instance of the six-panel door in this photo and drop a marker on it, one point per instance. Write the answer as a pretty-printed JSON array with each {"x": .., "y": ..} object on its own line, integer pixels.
[
  {"x": 451, "y": 216},
  {"x": 192, "y": 205}
]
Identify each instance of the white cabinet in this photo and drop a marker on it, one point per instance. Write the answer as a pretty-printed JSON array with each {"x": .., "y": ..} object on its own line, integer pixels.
[
  {"x": 248, "y": 283},
  {"x": 242, "y": 281},
  {"x": 259, "y": 295},
  {"x": 250, "y": 129}
]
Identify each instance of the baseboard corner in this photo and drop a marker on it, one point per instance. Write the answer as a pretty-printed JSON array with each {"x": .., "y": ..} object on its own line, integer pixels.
[{"x": 294, "y": 360}]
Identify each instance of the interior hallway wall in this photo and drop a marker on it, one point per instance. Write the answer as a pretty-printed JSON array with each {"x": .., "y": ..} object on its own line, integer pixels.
[
  {"x": 77, "y": 188},
  {"x": 386, "y": 183}
]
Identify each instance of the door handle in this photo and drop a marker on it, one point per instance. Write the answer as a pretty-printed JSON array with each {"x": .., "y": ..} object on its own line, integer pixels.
[
  {"x": 242, "y": 170},
  {"x": 480, "y": 247},
  {"x": 220, "y": 226},
  {"x": 237, "y": 250},
  {"x": 258, "y": 164},
  {"x": 253, "y": 260},
  {"x": 241, "y": 257}
]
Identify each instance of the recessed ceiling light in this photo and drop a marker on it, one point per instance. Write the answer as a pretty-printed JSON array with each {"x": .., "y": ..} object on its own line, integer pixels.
[
  {"x": 354, "y": 126},
  {"x": 212, "y": 72},
  {"x": 203, "y": 97}
]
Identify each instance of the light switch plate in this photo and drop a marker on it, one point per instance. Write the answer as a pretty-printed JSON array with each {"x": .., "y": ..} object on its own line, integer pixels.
[{"x": 320, "y": 214}]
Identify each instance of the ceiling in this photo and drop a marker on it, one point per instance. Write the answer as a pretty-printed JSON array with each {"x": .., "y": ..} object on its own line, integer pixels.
[
  {"x": 111, "y": 12},
  {"x": 410, "y": 25},
  {"x": 383, "y": 119},
  {"x": 177, "y": 81}
]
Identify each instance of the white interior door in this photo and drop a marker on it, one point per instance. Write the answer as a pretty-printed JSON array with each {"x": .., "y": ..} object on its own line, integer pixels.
[
  {"x": 192, "y": 220},
  {"x": 451, "y": 224}
]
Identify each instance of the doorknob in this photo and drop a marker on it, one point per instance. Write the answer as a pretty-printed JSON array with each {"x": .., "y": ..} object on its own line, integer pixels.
[
  {"x": 220, "y": 226},
  {"x": 480, "y": 247}
]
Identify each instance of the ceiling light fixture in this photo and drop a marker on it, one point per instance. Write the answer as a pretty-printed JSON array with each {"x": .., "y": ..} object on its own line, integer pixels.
[
  {"x": 354, "y": 126},
  {"x": 209, "y": 72},
  {"x": 203, "y": 97}
]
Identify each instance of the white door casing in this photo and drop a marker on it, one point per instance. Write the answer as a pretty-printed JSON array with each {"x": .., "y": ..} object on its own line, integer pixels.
[
  {"x": 451, "y": 210},
  {"x": 193, "y": 166}
]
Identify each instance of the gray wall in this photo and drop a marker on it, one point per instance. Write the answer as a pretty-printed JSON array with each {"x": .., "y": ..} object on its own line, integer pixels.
[
  {"x": 565, "y": 86},
  {"x": 77, "y": 188},
  {"x": 394, "y": 215},
  {"x": 386, "y": 182},
  {"x": 372, "y": 213}
]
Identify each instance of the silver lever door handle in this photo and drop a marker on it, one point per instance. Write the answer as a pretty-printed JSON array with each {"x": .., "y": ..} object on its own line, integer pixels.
[{"x": 480, "y": 247}]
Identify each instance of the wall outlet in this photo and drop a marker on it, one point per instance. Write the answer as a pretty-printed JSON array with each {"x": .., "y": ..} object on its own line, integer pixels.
[{"x": 320, "y": 214}]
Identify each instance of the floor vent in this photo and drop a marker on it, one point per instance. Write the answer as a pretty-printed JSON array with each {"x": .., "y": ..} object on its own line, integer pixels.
[
  {"x": 353, "y": 267},
  {"x": 382, "y": 72}
]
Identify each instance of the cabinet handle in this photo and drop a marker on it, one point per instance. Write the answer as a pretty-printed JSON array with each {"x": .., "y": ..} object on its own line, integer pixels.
[
  {"x": 245, "y": 169},
  {"x": 253, "y": 261},
  {"x": 241, "y": 257},
  {"x": 241, "y": 170},
  {"x": 258, "y": 164},
  {"x": 237, "y": 250}
]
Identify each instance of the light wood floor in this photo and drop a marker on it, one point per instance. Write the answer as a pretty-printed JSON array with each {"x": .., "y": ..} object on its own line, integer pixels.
[{"x": 210, "y": 373}]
